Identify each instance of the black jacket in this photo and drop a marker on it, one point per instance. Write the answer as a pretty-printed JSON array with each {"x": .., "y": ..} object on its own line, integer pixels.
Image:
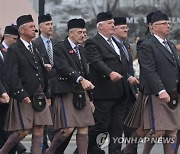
[
  {"x": 102, "y": 61},
  {"x": 68, "y": 67},
  {"x": 2, "y": 90},
  {"x": 24, "y": 72},
  {"x": 159, "y": 70},
  {"x": 42, "y": 49}
]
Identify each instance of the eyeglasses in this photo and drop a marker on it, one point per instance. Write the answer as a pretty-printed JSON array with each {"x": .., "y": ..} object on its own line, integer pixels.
[
  {"x": 163, "y": 23},
  {"x": 124, "y": 28}
]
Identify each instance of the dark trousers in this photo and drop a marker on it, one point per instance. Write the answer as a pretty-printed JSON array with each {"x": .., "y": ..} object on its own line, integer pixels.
[
  {"x": 109, "y": 117},
  {"x": 128, "y": 130}
]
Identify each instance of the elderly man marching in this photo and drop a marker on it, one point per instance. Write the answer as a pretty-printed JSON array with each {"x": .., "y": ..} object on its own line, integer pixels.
[
  {"x": 71, "y": 107},
  {"x": 28, "y": 109},
  {"x": 159, "y": 79}
]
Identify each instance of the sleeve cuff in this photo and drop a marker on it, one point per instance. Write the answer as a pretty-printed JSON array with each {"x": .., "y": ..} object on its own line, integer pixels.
[
  {"x": 20, "y": 94},
  {"x": 161, "y": 91},
  {"x": 79, "y": 79}
]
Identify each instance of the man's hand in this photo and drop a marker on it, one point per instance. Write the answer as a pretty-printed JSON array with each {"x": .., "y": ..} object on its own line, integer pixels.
[
  {"x": 164, "y": 96},
  {"x": 48, "y": 67},
  {"x": 132, "y": 80},
  {"x": 26, "y": 100},
  {"x": 4, "y": 98},
  {"x": 49, "y": 102},
  {"x": 86, "y": 84},
  {"x": 114, "y": 76}
]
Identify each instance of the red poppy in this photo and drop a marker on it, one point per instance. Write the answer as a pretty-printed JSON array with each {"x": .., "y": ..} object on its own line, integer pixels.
[
  {"x": 71, "y": 51},
  {"x": 4, "y": 49}
]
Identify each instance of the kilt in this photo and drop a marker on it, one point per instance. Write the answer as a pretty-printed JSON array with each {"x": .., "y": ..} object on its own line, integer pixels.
[
  {"x": 64, "y": 115},
  {"x": 22, "y": 116},
  {"x": 163, "y": 118}
]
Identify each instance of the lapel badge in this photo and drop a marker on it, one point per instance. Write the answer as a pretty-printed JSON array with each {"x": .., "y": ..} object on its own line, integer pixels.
[
  {"x": 4, "y": 49},
  {"x": 71, "y": 51}
]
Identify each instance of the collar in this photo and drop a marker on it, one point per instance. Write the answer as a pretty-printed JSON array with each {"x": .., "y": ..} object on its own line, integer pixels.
[
  {"x": 26, "y": 43},
  {"x": 71, "y": 43},
  {"x": 4, "y": 44},
  {"x": 116, "y": 48},
  {"x": 45, "y": 39},
  {"x": 106, "y": 38},
  {"x": 160, "y": 39},
  {"x": 118, "y": 40}
]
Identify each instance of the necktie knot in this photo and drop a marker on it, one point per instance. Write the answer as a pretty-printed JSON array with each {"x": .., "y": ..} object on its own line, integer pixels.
[
  {"x": 109, "y": 40},
  {"x": 48, "y": 41},
  {"x": 165, "y": 42},
  {"x": 76, "y": 48},
  {"x": 29, "y": 46}
]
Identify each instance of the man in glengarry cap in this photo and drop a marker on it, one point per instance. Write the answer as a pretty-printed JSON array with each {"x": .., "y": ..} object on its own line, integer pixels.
[
  {"x": 108, "y": 74},
  {"x": 159, "y": 71},
  {"x": 26, "y": 79}
]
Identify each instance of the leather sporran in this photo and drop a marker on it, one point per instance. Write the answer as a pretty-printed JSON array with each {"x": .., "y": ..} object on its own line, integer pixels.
[
  {"x": 173, "y": 103},
  {"x": 39, "y": 102},
  {"x": 79, "y": 100}
]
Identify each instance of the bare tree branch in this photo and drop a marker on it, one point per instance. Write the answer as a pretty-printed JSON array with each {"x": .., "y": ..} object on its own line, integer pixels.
[
  {"x": 169, "y": 7},
  {"x": 114, "y": 5},
  {"x": 105, "y": 5},
  {"x": 94, "y": 7}
]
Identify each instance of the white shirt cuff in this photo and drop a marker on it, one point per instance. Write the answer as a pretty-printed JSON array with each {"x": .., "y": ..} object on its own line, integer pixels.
[
  {"x": 77, "y": 80},
  {"x": 161, "y": 91}
]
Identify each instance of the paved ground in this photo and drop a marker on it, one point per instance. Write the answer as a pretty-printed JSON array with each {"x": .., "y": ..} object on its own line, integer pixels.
[{"x": 157, "y": 149}]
